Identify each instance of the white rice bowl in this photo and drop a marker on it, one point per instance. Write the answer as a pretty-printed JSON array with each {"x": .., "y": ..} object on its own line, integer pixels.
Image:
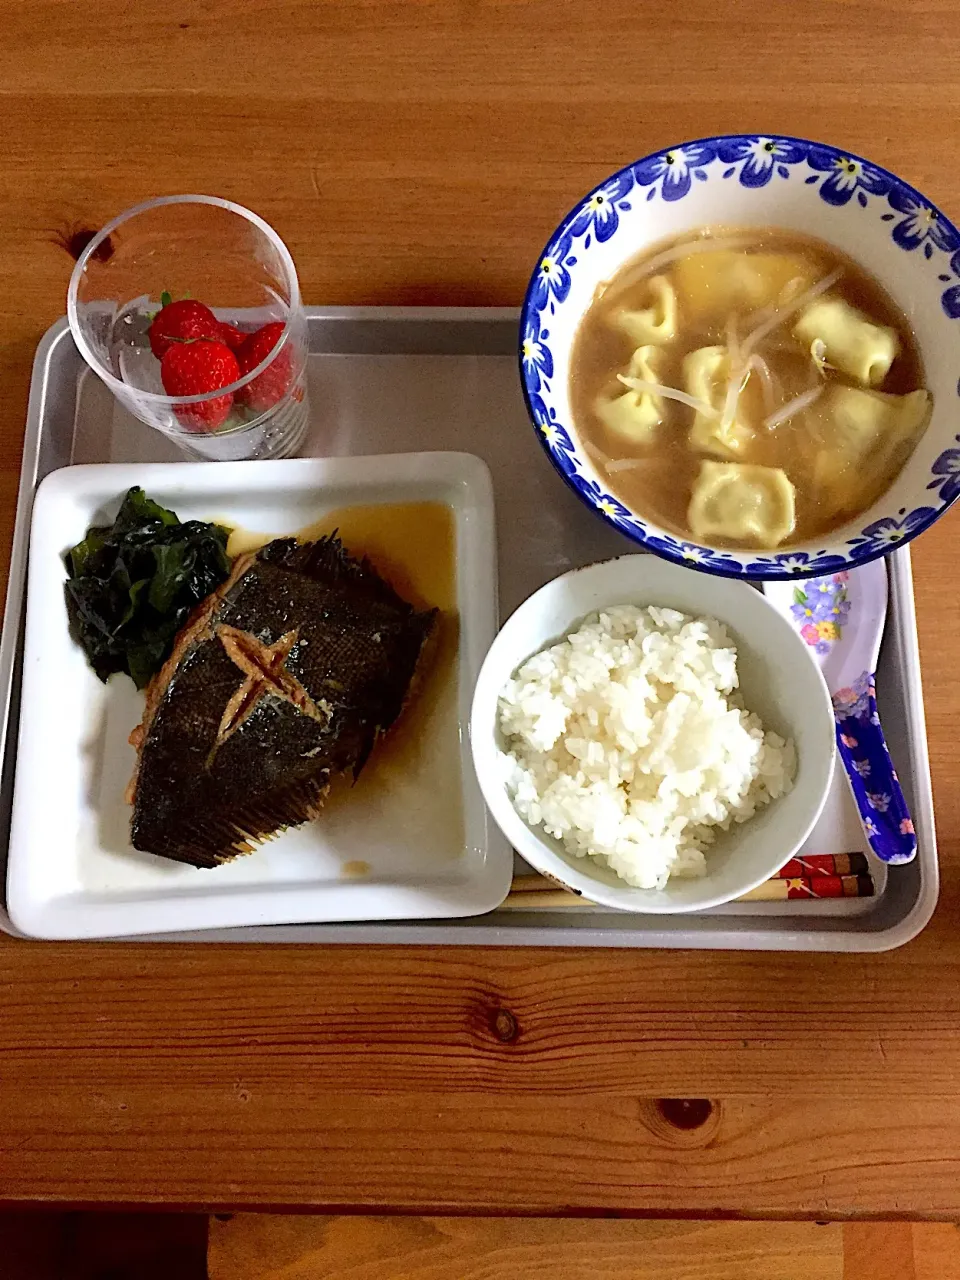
[
  {"x": 779, "y": 681},
  {"x": 627, "y": 742}
]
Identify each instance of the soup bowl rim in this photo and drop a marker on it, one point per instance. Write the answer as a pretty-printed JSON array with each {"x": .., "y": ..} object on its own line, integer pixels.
[{"x": 881, "y": 535}]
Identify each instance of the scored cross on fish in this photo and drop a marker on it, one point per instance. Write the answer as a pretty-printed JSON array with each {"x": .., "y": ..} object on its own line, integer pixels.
[{"x": 284, "y": 678}]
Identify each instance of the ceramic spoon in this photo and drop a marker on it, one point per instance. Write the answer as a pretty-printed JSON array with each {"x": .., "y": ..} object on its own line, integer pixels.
[{"x": 841, "y": 617}]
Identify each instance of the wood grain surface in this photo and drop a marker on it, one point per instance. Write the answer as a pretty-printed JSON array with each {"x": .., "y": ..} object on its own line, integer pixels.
[
  {"x": 285, "y": 1247},
  {"x": 422, "y": 152}
]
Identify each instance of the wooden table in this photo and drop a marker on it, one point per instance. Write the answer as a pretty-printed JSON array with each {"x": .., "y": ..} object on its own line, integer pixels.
[{"x": 420, "y": 153}]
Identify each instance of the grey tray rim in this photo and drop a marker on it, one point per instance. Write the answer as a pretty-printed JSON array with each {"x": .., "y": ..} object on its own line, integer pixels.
[{"x": 453, "y": 330}]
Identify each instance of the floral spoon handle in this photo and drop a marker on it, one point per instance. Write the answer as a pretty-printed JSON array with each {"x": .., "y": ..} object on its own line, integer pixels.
[{"x": 873, "y": 779}]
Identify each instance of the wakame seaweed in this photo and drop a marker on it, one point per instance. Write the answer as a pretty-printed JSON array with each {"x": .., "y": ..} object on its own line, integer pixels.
[{"x": 132, "y": 585}]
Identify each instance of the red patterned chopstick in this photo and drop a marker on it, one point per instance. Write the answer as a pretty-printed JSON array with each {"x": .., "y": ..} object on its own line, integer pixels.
[
  {"x": 816, "y": 875},
  {"x": 824, "y": 864},
  {"x": 782, "y": 889}
]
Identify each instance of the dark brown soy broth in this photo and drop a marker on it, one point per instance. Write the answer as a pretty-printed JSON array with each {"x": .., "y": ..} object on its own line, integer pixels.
[{"x": 660, "y": 489}]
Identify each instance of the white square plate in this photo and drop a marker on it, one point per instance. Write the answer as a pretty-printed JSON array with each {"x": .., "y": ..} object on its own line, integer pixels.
[{"x": 420, "y": 834}]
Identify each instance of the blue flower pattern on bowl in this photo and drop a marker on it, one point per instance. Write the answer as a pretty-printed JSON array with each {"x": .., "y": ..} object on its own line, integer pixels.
[
  {"x": 921, "y": 224},
  {"x": 950, "y": 301},
  {"x": 689, "y": 553},
  {"x": 560, "y": 444},
  {"x": 846, "y": 176},
  {"x": 884, "y": 536},
  {"x": 761, "y": 157},
  {"x": 946, "y": 471},
  {"x": 674, "y": 170},
  {"x": 754, "y": 161},
  {"x": 535, "y": 354},
  {"x": 601, "y": 212},
  {"x": 553, "y": 276},
  {"x": 606, "y": 503},
  {"x": 794, "y": 564}
]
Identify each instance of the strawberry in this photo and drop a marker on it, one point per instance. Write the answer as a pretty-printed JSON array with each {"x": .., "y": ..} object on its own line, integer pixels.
[
  {"x": 194, "y": 368},
  {"x": 230, "y": 335},
  {"x": 182, "y": 321},
  {"x": 274, "y": 383}
]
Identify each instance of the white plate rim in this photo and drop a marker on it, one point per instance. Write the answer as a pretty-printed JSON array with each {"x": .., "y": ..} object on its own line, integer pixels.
[{"x": 40, "y": 914}]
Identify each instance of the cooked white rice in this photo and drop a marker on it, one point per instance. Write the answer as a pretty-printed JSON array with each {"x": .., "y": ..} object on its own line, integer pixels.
[{"x": 626, "y": 741}]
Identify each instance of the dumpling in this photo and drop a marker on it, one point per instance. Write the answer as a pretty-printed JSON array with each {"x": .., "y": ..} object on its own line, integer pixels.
[
  {"x": 705, "y": 374},
  {"x": 851, "y": 342},
  {"x": 742, "y": 504},
  {"x": 635, "y": 415},
  {"x": 658, "y": 323},
  {"x": 861, "y": 417},
  {"x": 728, "y": 280},
  {"x": 867, "y": 430}
]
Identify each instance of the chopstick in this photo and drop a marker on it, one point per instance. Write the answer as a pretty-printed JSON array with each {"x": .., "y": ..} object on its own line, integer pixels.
[
  {"x": 829, "y": 875},
  {"x": 781, "y": 890},
  {"x": 824, "y": 864},
  {"x": 524, "y": 899}
]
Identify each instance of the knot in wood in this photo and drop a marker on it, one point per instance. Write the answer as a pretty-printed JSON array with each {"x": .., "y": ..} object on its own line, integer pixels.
[
  {"x": 686, "y": 1123},
  {"x": 75, "y": 239},
  {"x": 685, "y": 1113},
  {"x": 504, "y": 1025}
]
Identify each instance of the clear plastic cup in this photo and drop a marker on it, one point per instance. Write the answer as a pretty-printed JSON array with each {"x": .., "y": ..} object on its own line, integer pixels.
[{"x": 217, "y": 253}]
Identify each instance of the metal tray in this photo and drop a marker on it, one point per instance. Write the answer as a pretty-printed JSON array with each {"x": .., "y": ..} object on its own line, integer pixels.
[{"x": 397, "y": 379}]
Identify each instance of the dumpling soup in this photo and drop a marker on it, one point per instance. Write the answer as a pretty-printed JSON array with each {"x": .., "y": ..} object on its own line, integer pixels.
[{"x": 747, "y": 387}]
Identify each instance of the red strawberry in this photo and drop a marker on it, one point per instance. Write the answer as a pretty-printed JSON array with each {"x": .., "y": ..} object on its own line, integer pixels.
[
  {"x": 230, "y": 335},
  {"x": 274, "y": 383},
  {"x": 182, "y": 321},
  {"x": 193, "y": 368}
]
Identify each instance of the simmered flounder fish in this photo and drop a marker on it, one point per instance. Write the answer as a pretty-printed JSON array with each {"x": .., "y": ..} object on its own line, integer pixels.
[{"x": 287, "y": 676}]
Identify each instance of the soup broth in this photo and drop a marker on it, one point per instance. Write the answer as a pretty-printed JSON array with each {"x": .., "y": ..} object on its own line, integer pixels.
[{"x": 747, "y": 387}]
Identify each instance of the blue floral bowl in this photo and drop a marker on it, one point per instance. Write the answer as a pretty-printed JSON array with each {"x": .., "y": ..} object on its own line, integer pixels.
[{"x": 898, "y": 236}]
